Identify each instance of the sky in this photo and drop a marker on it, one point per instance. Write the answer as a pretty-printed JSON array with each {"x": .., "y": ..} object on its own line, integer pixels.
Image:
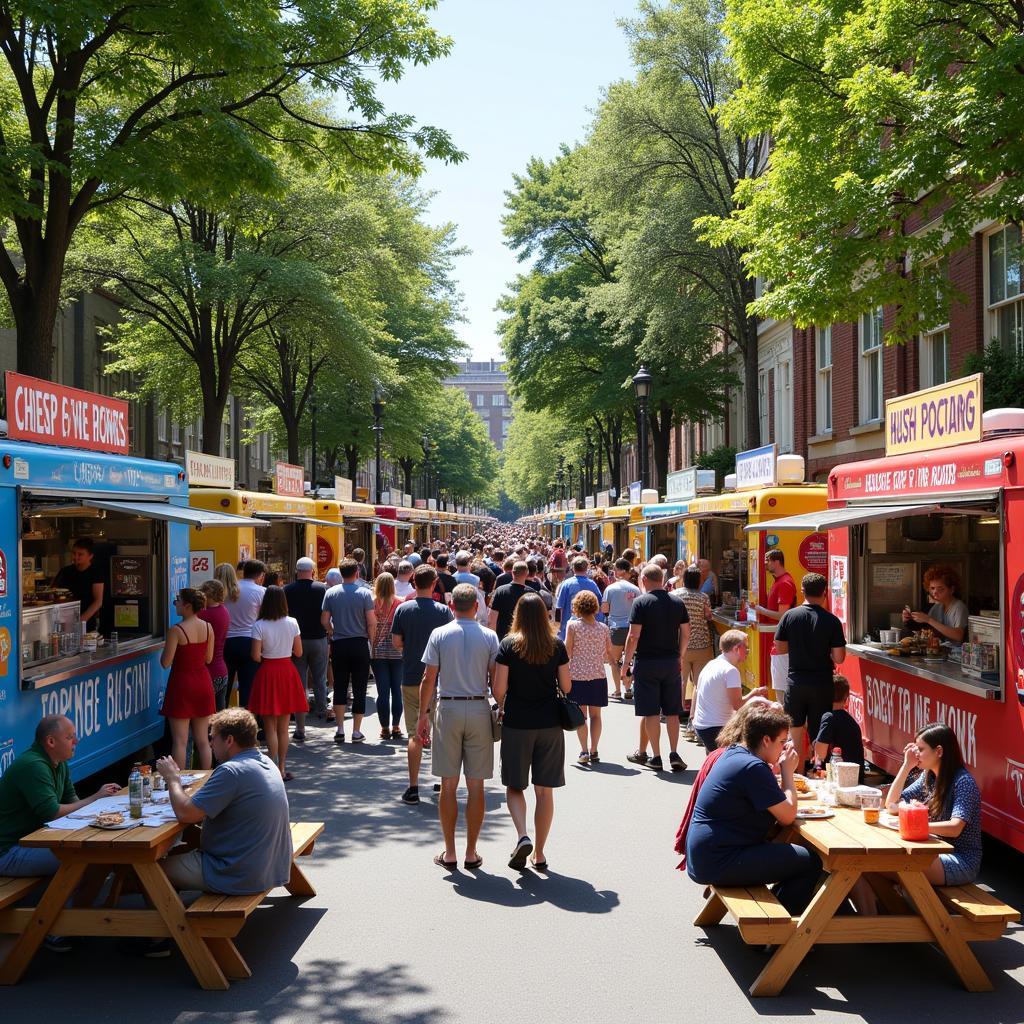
[{"x": 523, "y": 78}]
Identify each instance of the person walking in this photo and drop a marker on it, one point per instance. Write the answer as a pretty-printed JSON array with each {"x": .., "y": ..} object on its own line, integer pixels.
[
  {"x": 189, "y": 701},
  {"x": 243, "y": 610},
  {"x": 590, "y": 648},
  {"x": 305, "y": 597},
  {"x": 532, "y": 666},
  {"x": 413, "y": 623},
  {"x": 569, "y": 588},
  {"x": 616, "y": 604},
  {"x": 277, "y": 691},
  {"x": 699, "y": 651},
  {"x": 720, "y": 689},
  {"x": 348, "y": 614},
  {"x": 813, "y": 639},
  {"x": 217, "y": 616},
  {"x": 386, "y": 659},
  {"x": 506, "y": 597},
  {"x": 459, "y": 661},
  {"x": 659, "y": 633}
]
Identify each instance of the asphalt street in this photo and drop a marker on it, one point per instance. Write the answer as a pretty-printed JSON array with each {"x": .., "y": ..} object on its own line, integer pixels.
[{"x": 605, "y": 937}]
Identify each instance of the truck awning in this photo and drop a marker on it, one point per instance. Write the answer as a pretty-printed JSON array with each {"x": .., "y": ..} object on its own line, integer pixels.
[
  {"x": 291, "y": 517},
  {"x": 354, "y": 522},
  {"x": 197, "y": 517},
  {"x": 854, "y": 515}
]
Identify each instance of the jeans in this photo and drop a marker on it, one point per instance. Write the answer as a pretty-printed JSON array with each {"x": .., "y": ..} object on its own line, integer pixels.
[
  {"x": 350, "y": 659},
  {"x": 220, "y": 692},
  {"x": 313, "y": 661},
  {"x": 387, "y": 672},
  {"x": 23, "y": 862},
  {"x": 238, "y": 657},
  {"x": 795, "y": 870}
]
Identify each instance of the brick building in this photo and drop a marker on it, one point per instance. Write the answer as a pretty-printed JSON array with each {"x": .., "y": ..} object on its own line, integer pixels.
[{"x": 485, "y": 384}]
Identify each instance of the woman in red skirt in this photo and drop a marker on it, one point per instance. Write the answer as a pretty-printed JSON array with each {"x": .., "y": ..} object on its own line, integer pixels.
[
  {"x": 277, "y": 691},
  {"x": 189, "y": 699}
]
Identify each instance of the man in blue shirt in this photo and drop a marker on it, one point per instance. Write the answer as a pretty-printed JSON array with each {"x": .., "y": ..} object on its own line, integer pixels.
[
  {"x": 348, "y": 613},
  {"x": 463, "y": 560},
  {"x": 569, "y": 588}
]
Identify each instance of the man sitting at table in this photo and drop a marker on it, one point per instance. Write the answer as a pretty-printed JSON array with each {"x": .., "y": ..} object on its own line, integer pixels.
[
  {"x": 35, "y": 789},
  {"x": 246, "y": 844}
]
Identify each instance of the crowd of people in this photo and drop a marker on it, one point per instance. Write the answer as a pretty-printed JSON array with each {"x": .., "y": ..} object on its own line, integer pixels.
[{"x": 507, "y": 643}]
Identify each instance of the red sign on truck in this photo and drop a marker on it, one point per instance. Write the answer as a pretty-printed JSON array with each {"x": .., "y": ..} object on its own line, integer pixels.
[{"x": 39, "y": 410}]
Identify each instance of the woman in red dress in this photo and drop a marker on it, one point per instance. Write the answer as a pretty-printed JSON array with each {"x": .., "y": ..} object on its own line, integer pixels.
[
  {"x": 277, "y": 691},
  {"x": 189, "y": 699}
]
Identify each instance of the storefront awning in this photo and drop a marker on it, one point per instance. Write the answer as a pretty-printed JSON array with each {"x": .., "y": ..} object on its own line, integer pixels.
[
  {"x": 354, "y": 522},
  {"x": 291, "y": 517},
  {"x": 197, "y": 517},
  {"x": 665, "y": 520},
  {"x": 854, "y": 515}
]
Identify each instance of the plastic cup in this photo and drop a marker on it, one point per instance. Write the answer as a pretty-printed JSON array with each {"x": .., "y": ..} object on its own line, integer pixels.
[{"x": 871, "y": 807}]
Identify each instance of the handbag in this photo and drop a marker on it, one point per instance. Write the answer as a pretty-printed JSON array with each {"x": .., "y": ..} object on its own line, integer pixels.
[
  {"x": 495, "y": 722},
  {"x": 570, "y": 714}
]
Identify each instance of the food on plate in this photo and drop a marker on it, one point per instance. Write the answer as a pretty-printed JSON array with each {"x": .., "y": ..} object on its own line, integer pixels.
[
  {"x": 801, "y": 783},
  {"x": 814, "y": 809},
  {"x": 108, "y": 818}
]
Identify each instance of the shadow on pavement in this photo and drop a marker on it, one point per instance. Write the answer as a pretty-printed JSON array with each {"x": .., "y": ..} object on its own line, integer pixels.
[{"x": 532, "y": 889}]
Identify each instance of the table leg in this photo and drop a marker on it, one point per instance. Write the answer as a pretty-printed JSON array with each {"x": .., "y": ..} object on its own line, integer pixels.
[
  {"x": 711, "y": 913},
  {"x": 58, "y": 892},
  {"x": 168, "y": 904},
  {"x": 298, "y": 884},
  {"x": 788, "y": 957},
  {"x": 231, "y": 961},
  {"x": 938, "y": 919}
]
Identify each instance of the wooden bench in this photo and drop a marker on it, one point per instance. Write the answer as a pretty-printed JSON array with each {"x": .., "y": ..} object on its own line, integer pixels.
[
  {"x": 760, "y": 917},
  {"x": 14, "y": 889},
  {"x": 978, "y": 905},
  {"x": 219, "y": 918}
]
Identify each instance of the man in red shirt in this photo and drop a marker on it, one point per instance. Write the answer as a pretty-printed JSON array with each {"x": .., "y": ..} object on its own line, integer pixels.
[{"x": 781, "y": 597}]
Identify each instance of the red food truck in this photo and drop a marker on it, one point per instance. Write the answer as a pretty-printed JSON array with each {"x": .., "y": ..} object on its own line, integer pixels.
[{"x": 949, "y": 495}]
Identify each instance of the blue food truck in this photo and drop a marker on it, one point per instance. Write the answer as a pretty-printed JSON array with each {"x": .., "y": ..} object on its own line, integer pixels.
[{"x": 132, "y": 519}]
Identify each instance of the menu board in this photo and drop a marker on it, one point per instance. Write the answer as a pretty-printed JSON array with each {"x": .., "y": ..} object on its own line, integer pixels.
[{"x": 129, "y": 576}]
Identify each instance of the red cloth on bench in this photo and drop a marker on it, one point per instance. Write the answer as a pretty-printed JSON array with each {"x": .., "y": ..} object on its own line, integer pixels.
[{"x": 684, "y": 825}]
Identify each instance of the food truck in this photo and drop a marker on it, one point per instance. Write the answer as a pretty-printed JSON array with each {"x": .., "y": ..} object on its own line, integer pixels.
[
  {"x": 667, "y": 531},
  {"x": 950, "y": 492},
  {"x": 729, "y": 530},
  {"x": 135, "y": 515}
]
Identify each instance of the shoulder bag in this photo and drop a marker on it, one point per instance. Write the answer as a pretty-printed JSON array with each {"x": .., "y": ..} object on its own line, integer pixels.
[{"x": 570, "y": 714}]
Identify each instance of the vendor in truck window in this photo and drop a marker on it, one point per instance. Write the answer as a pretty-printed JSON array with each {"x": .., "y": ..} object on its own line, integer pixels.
[
  {"x": 83, "y": 579},
  {"x": 948, "y": 614}
]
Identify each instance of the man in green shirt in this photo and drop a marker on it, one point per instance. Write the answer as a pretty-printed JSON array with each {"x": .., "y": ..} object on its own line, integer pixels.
[{"x": 36, "y": 789}]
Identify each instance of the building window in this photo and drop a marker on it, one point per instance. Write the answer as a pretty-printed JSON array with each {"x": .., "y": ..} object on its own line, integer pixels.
[
  {"x": 935, "y": 357},
  {"x": 480, "y": 400},
  {"x": 497, "y": 399},
  {"x": 823, "y": 378},
  {"x": 1006, "y": 307},
  {"x": 870, "y": 379}
]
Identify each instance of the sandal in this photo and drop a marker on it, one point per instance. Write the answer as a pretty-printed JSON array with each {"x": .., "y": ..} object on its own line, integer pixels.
[
  {"x": 594, "y": 759},
  {"x": 396, "y": 734},
  {"x": 628, "y": 695},
  {"x": 472, "y": 865},
  {"x": 448, "y": 865},
  {"x": 538, "y": 865},
  {"x": 384, "y": 734},
  {"x": 358, "y": 737},
  {"x": 287, "y": 777},
  {"x": 330, "y": 717}
]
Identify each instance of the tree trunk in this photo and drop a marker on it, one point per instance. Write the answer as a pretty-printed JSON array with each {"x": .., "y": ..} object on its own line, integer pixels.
[
  {"x": 215, "y": 401},
  {"x": 291, "y": 430},
  {"x": 406, "y": 465},
  {"x": 661, "y": 438},
  {"x": 35, "y": 312},
  {"x": 352, "y": 457}
]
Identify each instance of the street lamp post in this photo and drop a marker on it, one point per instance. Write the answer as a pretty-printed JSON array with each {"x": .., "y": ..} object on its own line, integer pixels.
[
  {"x": 590, "y": 488},
  {"x": 569, "y": 481},
  {"x": 642, "y": 387},
  {"x": 560, "y": 479},
  {"x": 425, "y": 441},
  {"x": 378, "y": 430}
]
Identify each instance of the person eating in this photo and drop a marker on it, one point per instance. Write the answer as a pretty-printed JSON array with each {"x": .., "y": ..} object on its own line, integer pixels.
[{"x": 948, "y": 614}]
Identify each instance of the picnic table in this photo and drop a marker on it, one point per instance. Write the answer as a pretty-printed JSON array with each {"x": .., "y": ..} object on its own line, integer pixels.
[
  {"x": 204, "y": 938},
  {"x": 850, "y": 848}
]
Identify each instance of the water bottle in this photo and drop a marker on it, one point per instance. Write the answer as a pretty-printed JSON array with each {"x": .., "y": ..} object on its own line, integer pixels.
[
  {"x": 832, "y": 779},
  {"x": 135, "y": 793},
  {"x": 147, "y": 783}
]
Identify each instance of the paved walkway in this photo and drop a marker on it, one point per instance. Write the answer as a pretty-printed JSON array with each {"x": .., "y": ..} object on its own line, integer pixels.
[{"x": 605, "y": 938}]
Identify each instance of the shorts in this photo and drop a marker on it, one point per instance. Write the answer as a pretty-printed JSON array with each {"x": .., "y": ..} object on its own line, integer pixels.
[
  {"x": 780, "y": 674},
  {"x": 185, "y": 871},
  {"x": 658, "y": 687},
  {"x": 462, "y": 742},
  {"x": 532, "y": 755},
  {"x": 806, "y": 704},
  {"x": 957, "y": 871},
  {"x": 709, "y": 737},
  {"x": 619, "y": 634}
]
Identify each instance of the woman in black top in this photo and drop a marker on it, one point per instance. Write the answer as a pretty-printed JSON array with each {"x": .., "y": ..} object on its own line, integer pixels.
[{"x": 532, "y": 665}]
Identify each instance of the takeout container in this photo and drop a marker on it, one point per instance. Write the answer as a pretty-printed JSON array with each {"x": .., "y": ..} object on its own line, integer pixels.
[
  {"x": 847, "y": 774},
  {"x": 889, "y": 636},
  {"x": 852, "y": 796}
]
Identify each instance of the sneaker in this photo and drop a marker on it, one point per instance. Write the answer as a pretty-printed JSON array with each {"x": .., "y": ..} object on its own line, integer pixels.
[
  {"x": 676, "y": 763},
  {"x": 339, "y": 737},
  {"x": 519, "y": 855},
  {"x": 411, "y": 795},
  {"x": 58, "y": 944},
  {"x": 358, "y": 737},
  {"x": 654, "y": 763},
  {"x": 637, "y": 757},
  {"x": 584, "y": 758},
  {"x": 628, "y": 695},
  {"x": 594, "y": 759},
  {"x": 298, "y": 737}
]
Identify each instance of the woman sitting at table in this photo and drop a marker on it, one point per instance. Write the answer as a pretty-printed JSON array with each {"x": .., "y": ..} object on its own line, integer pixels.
[
  {"x": 728, "y": 842},
  {"x": 954, "y": 803},
  {"x": 948, "y": 614}
]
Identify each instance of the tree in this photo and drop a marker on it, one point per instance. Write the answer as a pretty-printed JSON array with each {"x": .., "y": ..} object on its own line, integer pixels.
[
  {"x": 170, "y": 100},
  {"x": 886, "y": 118},
  {"x": 464, "y": 457},
  {"x": 530, "y": 456}
]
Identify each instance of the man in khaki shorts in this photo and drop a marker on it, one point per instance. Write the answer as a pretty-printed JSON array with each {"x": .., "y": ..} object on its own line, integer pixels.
[{"x": 459, "y": 660}]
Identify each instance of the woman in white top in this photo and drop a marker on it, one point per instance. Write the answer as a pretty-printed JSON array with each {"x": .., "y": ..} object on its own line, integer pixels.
[{"x": 277, "y": 691}]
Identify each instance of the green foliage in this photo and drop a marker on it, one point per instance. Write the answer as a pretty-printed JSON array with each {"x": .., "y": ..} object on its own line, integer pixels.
[
  {"x": 1004, "y": 374},
  {"x": 880, "y": 112},
  {"x": 464, "y": 459},
  {"x": 530, "y": 455}
]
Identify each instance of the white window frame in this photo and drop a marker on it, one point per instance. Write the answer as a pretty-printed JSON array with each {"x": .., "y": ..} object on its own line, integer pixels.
[
  {"x": 823, "y": 378},
  {"x": 480, "y": 398},
  {"x": 935, "y": 368},
  {"x": 870, "y": 334},
  {"x": 784, "y": 405},
  {"x": 763, "y": 416},
  {"x": 1008, "y": 299},
  {"x": 497, "y": 399}
]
